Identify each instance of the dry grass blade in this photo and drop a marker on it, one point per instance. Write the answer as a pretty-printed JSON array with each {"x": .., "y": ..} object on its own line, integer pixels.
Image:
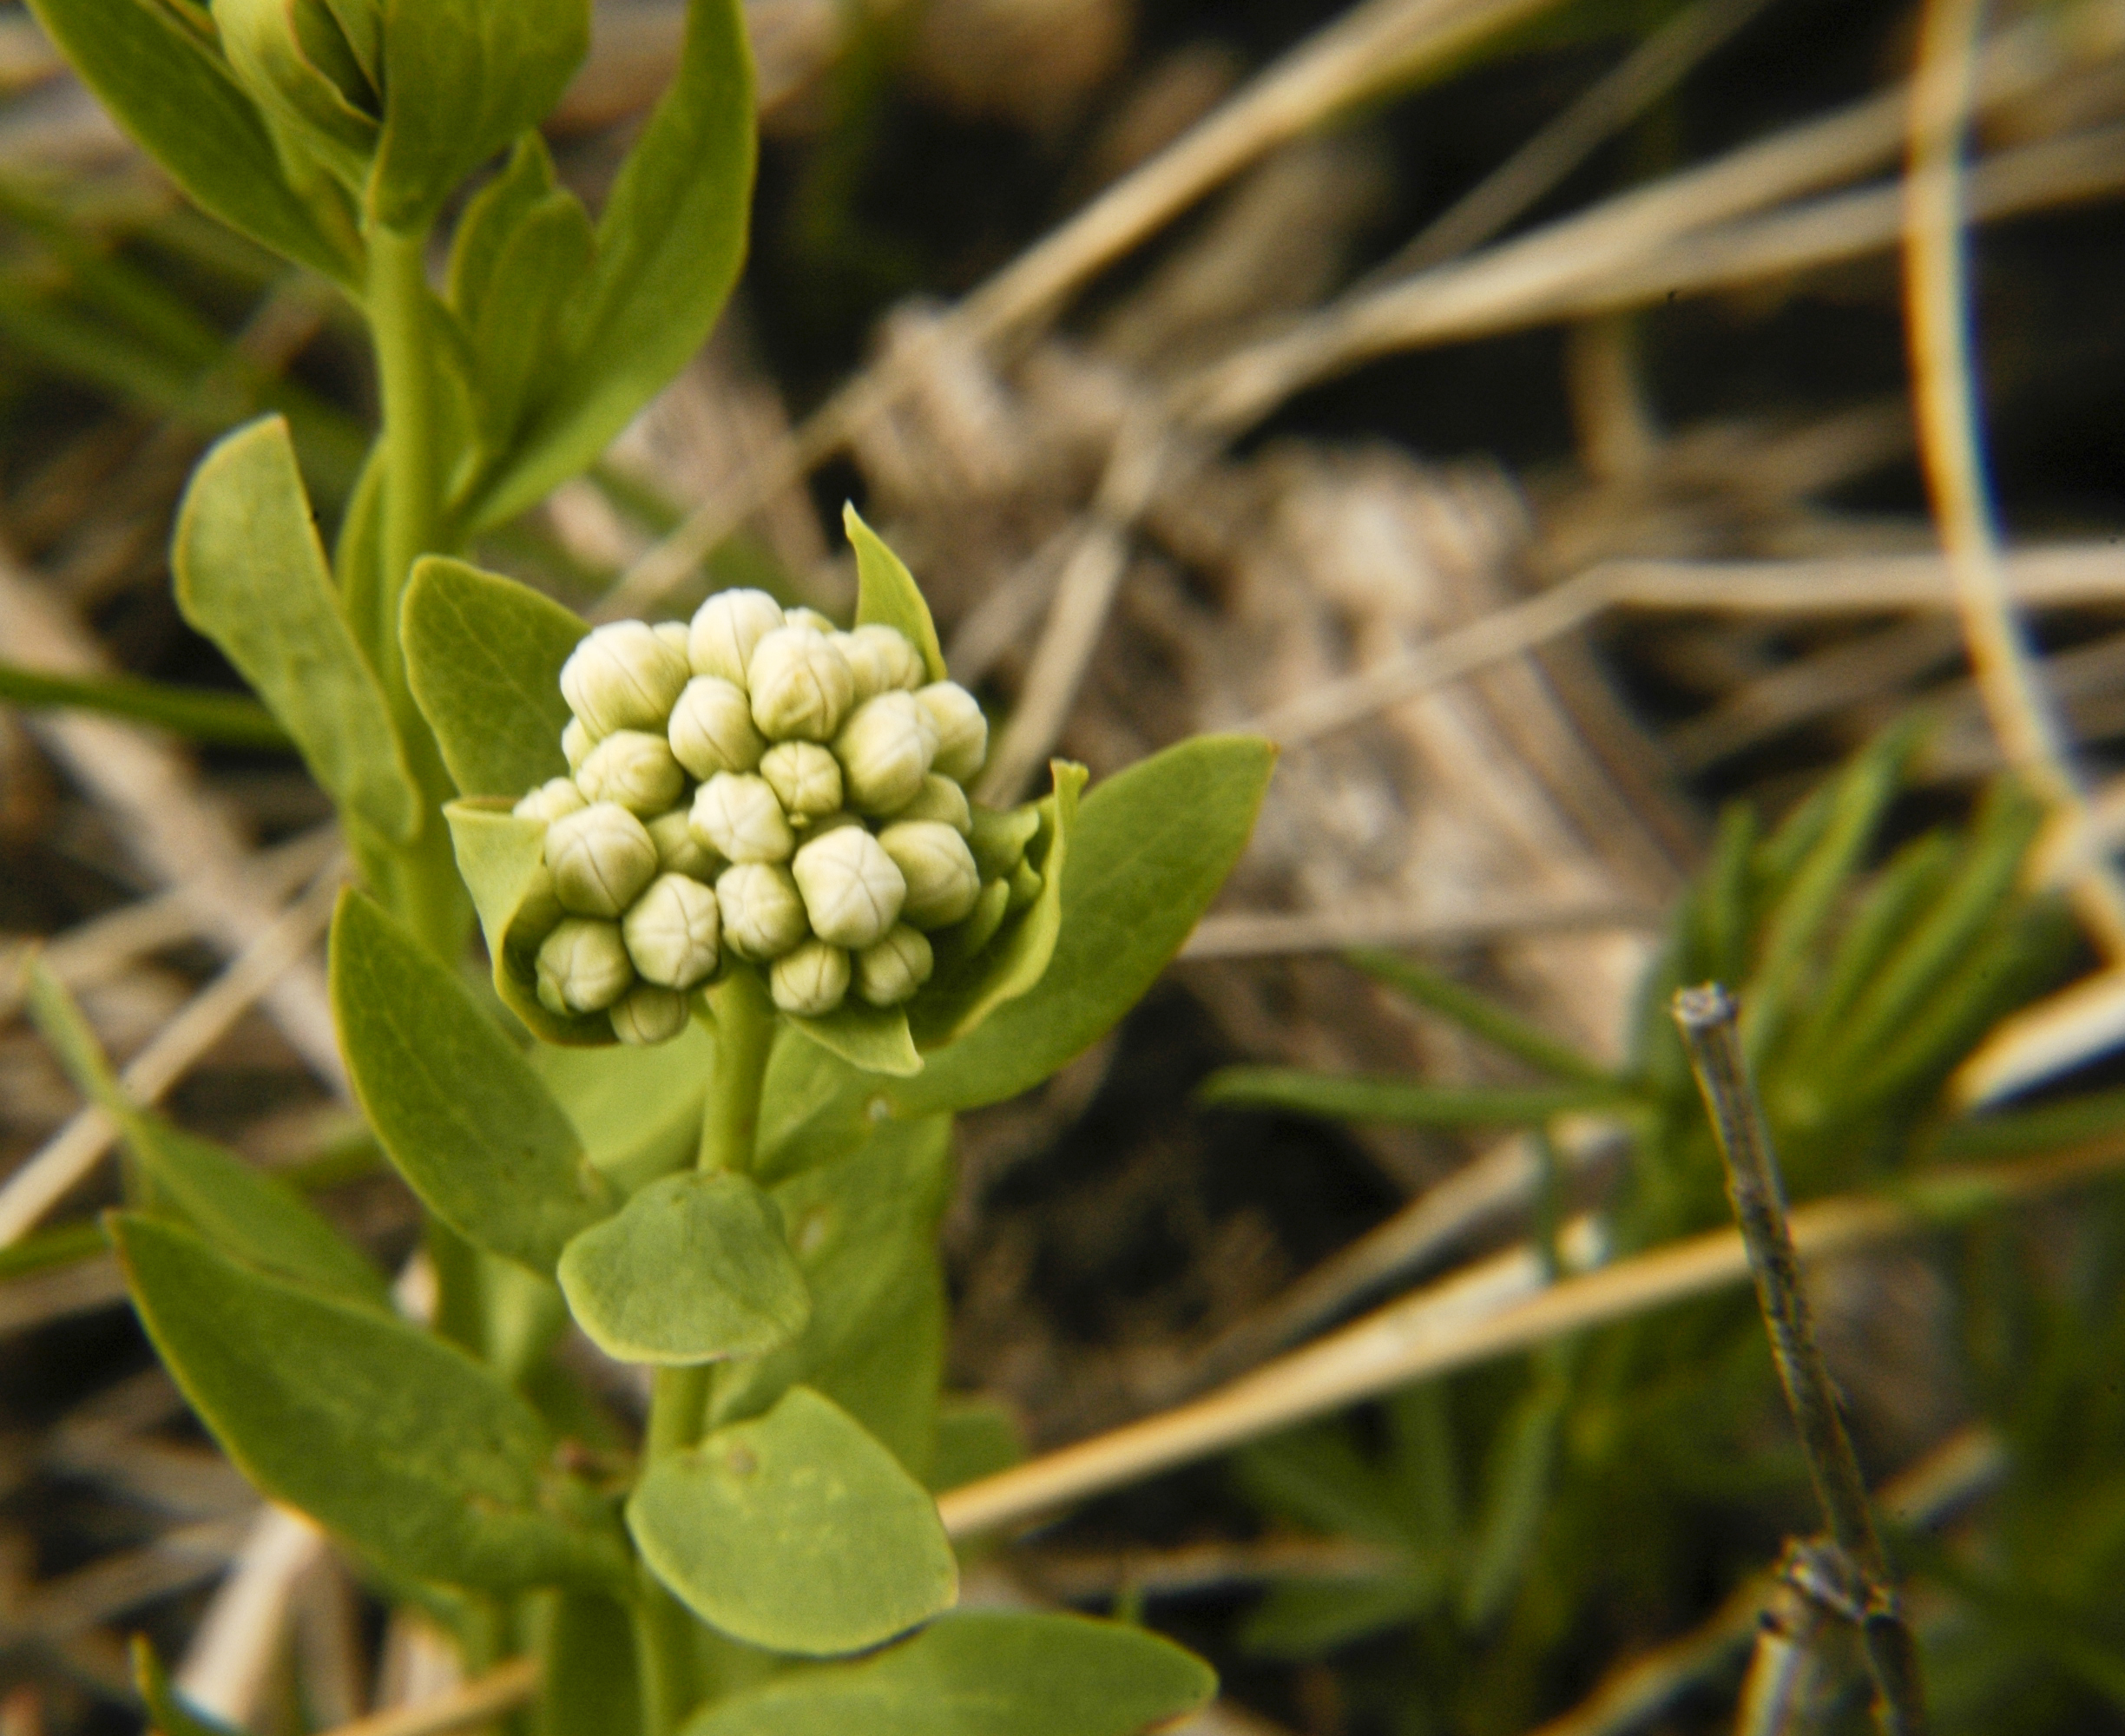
[
  {"x": 502, "y": 1689},
  {"x": 1249, "y": 934},
  {"x": 1406, "y": 1341},
  {"x": 41, "y": 1182},
  {"x": 233, "y": 1648},
  {"x": 1869, "y": 585},
  {"x": 1371, "y": 46}
]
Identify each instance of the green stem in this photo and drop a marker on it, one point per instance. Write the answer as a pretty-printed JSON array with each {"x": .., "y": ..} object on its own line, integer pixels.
[
  {"x": 666, "y": 1662},
  {"x": 744, "y": 1032}
]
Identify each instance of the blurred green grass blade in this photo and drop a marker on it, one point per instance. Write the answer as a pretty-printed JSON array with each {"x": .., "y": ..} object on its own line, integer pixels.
[
  {"x": 1403, "y": 1101},
  {"x": 1317, "y": 1476},
  {"x": 1936, "y": 946},
  {"x": 229, "y": 719},
  {"x": 2099, "y": 1115},
  {"x": 1516, "y": 1496},
  {"x": 1426, "y": 1477},
  {"x": 1806, "y": 899},
  {"x": 1913, "y": 879},
  {"x": 66, "y": 1245},
  {"x": 1480, "y": 1014}
]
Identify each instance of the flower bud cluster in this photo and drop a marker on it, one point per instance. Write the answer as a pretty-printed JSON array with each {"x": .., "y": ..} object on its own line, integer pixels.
[{"x": 757, "y": 790}]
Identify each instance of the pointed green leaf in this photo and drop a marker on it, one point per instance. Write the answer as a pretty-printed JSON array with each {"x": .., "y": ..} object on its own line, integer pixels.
[
  {"x": 693, "y": 1269},
  {"x": 887, "y": 593},
  {"x": 669, "y": 244},
  {"x": 483, "y": 656},
  {"x": 518, "y": 341},
  {"x": 815, "y": 1107},
  {"x": 865, "y": 1234},
  {"x": 462, "y": 79},
  {"x": 491, "y": 217},
  {"x": 416, "y": 1454},
  {"x": 1478, "y": 1013},
  {"x": 961, "y": 995},
  {"x": 502, "y": 859},
  {"x": 460, "y": 1111},
  {"x": 982, "y": 1673},
  {"x": 874, "y": 1039},
  {"x": 977, "y": 1437},
  {"x": 1306, "y": 1618},
  {"x": 166, "y": 87},
  {"x": 1151, "y": 849},
  {"x": 166, "y": 1710},
  {"x": 1403, "y": 1103},
  {"x": 251, "y": 576},
  {"x": 251, "y": 1216},
  {"x": 842, "y": 1548}
]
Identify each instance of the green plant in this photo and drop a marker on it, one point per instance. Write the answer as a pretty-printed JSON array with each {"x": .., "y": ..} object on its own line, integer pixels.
[
  {"x": 708, "y": 1122},
  {"x": 1533, "y": 1519}
]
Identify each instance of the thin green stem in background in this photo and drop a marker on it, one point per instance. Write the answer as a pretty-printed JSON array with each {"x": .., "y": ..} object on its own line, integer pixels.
[
  {"x": 1709, "y": 1023},
  {"x": 199, "y": 712},
  {"x": 412, "y": 490}
]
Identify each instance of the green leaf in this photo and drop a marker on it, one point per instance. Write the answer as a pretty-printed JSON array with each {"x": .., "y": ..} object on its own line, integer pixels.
[
  {"x": 1478, "y": 1013},
  {"x": 167, "y": 1711},
  {"x": 166, "y": 87},
  {"x": 404, "y": 1445},
  {"x": 1151, "y": 849},
  {"x": 637, "y": 1111},
  {"x": 483, "y": 656},
  {"x": 982, "y": 1673},
  {"x": 1524, "y": 1454},
  {"x": 1306, "y": 1618},
  {"x": 669, "y": 244},
  {"x": 589, "y": 1687},
  {"x": 519, "y": 339},
  {"x": 887, "y": 593},
  {"x": 460, "y": 1111},
  {"x": 462, "y": 79},
  {"x": 815, "y": 1107},
  {"x": 842, "y": 1549},
  {"x": 956, "y": 1000},
  {"x": 874, "y": 1039},
  {"x": 251, "y": 576},
  {"x": 195, "y": 712},
  {"x": 1405, "y": 1103},
  {"x": 975, "y": 1437},
  {"x": 491, "y": 217},
  {"x": 693, "y": 1269},
  {"x": 246, "y": 1214},
  {"x": 501, "y": 858},
  {"x": 864, "y": 1231}
]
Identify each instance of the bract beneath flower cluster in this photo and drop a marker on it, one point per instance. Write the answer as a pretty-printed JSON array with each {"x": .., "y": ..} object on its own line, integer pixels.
[{"x": 758, "y": 790}]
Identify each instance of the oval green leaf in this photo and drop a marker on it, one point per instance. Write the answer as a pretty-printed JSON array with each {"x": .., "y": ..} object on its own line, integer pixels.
[
  {"x": 416, "y": 1454},
  {"x": 694, "y": 1268},
  {"x": 982, "y": 1673},
  {"x": 252, "y": 577},
  {"x": 459, "y": 1109},
  {"x": 841, "y": 1548},
  {"x": 1149, "y": 850},
  {"x": 483, "y": 656}
]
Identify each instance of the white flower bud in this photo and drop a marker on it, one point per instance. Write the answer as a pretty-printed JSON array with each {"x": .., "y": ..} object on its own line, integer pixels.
[
  {"x": 938, "y": 868},
  {"x": 576, "y": 744},
  {"x": 763, "y": 916},
  {"x": 884, "y": 749},
  {"x": 736, "y": 815},
  {"x": 712, "y": 730},
  {"x": 672, "y": 932},
  {"x": 678, "y": 850},
  {"x": 635, "y": 769},
  {"x": 810, "y": 981},
  {"x": 812, "y": 618},
  {"x": 725, "y": 631},
  {"x": 853, "y": 893},
  {"x": 648, "y": 1014},
  {"x": 622, "y": 677},
  {"x": 552, "y": 799},
  {"x": 601, "y": 858},
  {"x": 800, "y": 685},
  {"x": 882, "y": 661},
  {"x": 675, "y": 634},
  {"x": 582, "y": 967},
  {"x": 962, "y": 731},
  {"x": 891, "y": 971},
  {"x": 939, "y": 799},
  {"x": 806, "y": 779}
]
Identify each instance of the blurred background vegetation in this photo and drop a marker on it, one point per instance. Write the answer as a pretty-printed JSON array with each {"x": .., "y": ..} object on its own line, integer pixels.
[{"x": 1547, "y": 364}]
